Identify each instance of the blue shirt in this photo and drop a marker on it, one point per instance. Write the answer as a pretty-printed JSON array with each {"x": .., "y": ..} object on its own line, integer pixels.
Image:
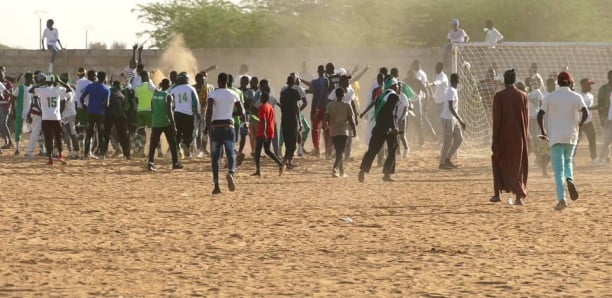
[
  {"x": 319, "y": 93},
  {"x": 98, "y": 95}
]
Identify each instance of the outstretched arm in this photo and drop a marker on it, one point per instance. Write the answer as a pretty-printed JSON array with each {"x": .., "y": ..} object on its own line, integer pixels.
[{"x": 356, "y": 77}]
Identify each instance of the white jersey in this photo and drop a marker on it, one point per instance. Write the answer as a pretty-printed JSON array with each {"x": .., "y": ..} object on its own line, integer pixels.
[
  {"x": 185, "y": 97},
  {"x": 588, "y": 102},
  {"x": 70, "y": 109},
  {"x": 80, "y": 86},
  {"x": 223, "y": 103},
  {"x": 349, "y": 95},
  {"x": 50, "y": 100}
]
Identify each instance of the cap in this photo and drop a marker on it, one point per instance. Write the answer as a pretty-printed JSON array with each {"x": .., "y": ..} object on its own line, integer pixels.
[
  {"x": 455, "y": 22},
  {"x": 41, "y": 77},
  {"x": 341, "y": 71},
  {"x": 392, "y": 81},
  {"x": 565, "y": 76},
  {"x": 587, "y": 81}
]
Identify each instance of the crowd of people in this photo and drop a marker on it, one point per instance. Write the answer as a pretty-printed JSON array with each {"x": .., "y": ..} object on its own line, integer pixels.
[{"x": 130, "y": 115}]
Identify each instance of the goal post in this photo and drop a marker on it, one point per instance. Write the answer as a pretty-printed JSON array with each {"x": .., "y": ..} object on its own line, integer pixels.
[{"x": 473, "y": 61}]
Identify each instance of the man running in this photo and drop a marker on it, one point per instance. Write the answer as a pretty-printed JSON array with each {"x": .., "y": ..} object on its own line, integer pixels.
[
  {"x": 563, "y": 108},
  {"x": 220, "y": 123},
  {"x": 162, "y": 121},
  {"x": 265, "y": 134},
  {"x": 385, "y": 130}
]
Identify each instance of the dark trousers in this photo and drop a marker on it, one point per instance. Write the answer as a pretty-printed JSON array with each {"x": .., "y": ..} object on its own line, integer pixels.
[
  {"x": 589, "y": 130},
  {"x": 184, "y": 128},
  {"x": 155, "y": 135},
  {"x": 290, "y": 133},
  {"x": 52, "y": 131},
  {"x": 265, "y": 143},
  {"x": 97, "y": 121},
  {"x": 376, "y": 142},
  {"x": 340, "y": 143},
  {"x": 121, "y": 126}
]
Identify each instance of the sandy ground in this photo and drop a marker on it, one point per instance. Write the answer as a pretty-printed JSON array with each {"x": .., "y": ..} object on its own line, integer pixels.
[{"x": 110, "y": 228}]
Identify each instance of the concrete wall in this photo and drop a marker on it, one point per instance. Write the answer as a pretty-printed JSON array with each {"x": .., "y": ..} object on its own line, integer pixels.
[{"x": 274, "y": 64}]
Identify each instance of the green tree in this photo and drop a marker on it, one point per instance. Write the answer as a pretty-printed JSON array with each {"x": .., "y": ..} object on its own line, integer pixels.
[{"x": 370, "y": 23}]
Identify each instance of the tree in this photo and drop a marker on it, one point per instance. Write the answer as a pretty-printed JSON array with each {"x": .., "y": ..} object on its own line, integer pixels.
[
  {"x": 369, "y": 23},
  {"x": 97, "y": 45},
  {"x": 118, "y": 45}
]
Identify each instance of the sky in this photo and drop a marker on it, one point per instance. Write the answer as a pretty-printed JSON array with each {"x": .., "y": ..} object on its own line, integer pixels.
[{"x": 108, "y": 21}]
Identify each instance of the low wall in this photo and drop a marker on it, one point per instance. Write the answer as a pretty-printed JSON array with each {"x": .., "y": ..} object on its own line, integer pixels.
[{"x": 271, "y": 63}]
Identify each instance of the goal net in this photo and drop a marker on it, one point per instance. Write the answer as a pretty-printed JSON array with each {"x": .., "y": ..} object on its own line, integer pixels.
[{"x": 473, "y": 61}]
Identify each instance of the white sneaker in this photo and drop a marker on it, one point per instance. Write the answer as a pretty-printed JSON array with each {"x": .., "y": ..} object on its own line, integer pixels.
[{"x": 201, "y": 154}]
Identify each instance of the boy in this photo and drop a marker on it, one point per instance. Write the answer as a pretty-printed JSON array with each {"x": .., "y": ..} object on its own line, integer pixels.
[
  {"x": 265, "y": 134},
  {"x": 338, "y": 118}
]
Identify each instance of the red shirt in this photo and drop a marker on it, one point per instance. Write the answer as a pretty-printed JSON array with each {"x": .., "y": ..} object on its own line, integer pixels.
[{"x": 266, "y": 116}]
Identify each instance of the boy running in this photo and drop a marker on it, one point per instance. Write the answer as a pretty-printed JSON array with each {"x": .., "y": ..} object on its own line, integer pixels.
[{"x": 265, "y": 134}]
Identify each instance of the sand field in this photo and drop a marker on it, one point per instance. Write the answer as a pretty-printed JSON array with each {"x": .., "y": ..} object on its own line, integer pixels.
[{"x": 110, "y": 228}]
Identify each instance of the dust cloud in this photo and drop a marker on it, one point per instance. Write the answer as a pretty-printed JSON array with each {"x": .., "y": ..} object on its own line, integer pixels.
[{"x": 175, "y": 57}]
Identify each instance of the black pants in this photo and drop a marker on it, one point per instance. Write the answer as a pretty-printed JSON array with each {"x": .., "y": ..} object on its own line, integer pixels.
[
  {"x": 339, "y": 145},
  {"x": 52, "y": 131},
  {"x": 376, "y": 142},
  {"x": 155, "y": 135},
  {"x": 184, "y": 128},
  {"x": 265, "y": 143},
  {"x": 97, "y": 121},
  {"x": 121, "y": 126},
  {"x": 290, "y": 133},
  {"x": 589, "y": 130}
]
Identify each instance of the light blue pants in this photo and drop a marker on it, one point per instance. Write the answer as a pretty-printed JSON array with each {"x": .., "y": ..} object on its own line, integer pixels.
[{"x": 561, "y": 158}]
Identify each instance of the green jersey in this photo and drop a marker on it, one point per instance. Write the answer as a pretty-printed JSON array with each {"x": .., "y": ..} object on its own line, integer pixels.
[{"x": 159, "y": 107}]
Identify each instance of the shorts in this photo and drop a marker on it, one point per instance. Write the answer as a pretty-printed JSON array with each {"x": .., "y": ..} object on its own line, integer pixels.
[
  {"x": 144, "y": 118},
  {"x": 81, "y": 118}
]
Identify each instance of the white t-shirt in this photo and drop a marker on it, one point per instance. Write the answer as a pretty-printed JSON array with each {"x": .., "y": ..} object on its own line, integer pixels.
[
  {"x": 588, "y": 102},
  {"x": 493, "y": 36},
  {"x": 458, "y": 36},
  {"x": 184, "y": 96},
  {"x": 80, "y": 86},
  {"x": 349, "y": 95},
  {"x": 51, "y": 35},
  {"x": 451, "y": 95},
  {"x": 2, "y": 89},
  {"x": 441, "y": 84},
  {"x": 223, "y": 103},
  {"x": 27, "y": 99},
  {"x": 402, "y": 107},
  {"x": 610, "y": 109},
  {"x": 535, "y": 98},
  {"x": 563, "y": 109},
  {"x": 70, "y": 109},
  {"x": 421, "y": 76},
  {"x": 50, "y": 100}
]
